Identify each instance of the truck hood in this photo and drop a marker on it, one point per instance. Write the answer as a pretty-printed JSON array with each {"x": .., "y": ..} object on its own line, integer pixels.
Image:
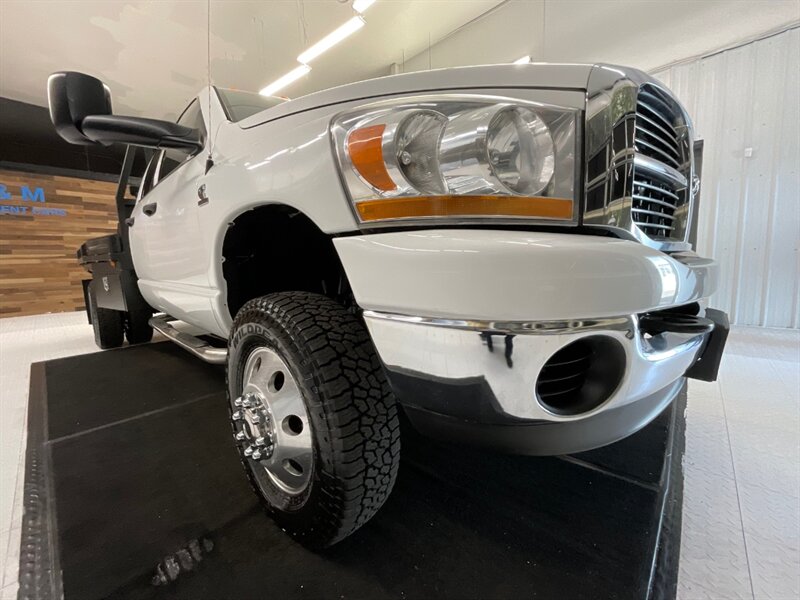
[{"x": 538, "y": 75}]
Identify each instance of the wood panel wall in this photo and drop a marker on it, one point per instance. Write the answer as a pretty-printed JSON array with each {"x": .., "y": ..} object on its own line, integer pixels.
[{"x": 39, "y": 272}]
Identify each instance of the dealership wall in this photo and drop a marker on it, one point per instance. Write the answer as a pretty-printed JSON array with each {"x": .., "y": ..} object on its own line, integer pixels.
[
  {"x": 744, "y": 103},
  {"x": 43, "y": 220},
  {"x": 645, "y": 35}
]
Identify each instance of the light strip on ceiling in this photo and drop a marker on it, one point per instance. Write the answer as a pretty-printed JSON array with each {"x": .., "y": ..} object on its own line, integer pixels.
[
  {"x": 361, "y": 5},
  {"x": 330, "y": 40},
  {"x": 282, "y": 82},
  {"x": 522, "y": 61}
]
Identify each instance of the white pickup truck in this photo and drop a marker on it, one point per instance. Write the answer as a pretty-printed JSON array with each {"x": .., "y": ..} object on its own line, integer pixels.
[{"x": 502, "y": 251}]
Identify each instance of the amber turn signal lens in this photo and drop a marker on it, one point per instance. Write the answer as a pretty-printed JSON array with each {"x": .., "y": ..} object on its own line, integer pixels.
[
  {"x": 465, "y": 206},
  {"x": 365, "y": 146}
]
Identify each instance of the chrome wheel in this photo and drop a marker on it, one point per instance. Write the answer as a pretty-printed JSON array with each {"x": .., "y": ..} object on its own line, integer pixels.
[{"x": 271, "y": 423}]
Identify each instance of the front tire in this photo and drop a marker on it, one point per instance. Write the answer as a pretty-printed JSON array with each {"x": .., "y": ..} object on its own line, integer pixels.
[{"x": 315, "y": 421}]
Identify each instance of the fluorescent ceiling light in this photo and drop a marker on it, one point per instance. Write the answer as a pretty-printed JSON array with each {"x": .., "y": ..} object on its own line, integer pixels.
[
  {"x": 361, "y": 5},
  {"x": 524, "y": 60},
  {"x": 330, "y": 40},
  {"x": 281, "y": 83}
]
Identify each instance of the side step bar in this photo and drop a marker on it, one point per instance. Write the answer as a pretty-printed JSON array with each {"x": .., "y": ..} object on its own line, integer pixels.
[{"x": 196, "y": 346}]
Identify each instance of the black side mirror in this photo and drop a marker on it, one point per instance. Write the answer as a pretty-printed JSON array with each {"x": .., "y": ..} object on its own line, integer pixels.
[
  {"x": 72, "y": 97},
  {"x": 137, "y": 131},
  {"x": 80, "y": 108}
]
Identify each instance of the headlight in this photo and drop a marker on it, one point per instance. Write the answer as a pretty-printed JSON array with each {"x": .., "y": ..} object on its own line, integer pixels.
[{"x": 459, "y": 157}]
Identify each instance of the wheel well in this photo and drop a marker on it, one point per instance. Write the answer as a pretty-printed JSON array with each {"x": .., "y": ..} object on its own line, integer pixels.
[{"x": 275, "y": 248}]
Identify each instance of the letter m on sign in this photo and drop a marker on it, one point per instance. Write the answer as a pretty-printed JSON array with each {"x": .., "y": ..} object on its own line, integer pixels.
[{"x": 37, "y": 195}]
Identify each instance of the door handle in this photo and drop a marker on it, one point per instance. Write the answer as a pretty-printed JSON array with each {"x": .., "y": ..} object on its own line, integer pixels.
[
  {"x": 201, "y": 194},
  {"x": 150, "y": 209}
]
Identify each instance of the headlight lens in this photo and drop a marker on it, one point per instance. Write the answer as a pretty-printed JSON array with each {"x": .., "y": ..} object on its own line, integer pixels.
[
  {"x": 521, "y": 151},
  {"x": 459, "y": 157}
]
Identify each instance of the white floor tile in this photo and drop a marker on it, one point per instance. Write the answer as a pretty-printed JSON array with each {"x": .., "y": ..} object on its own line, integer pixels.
[
  {"x": 11, "y": 565},
  {"x": 9, "y": 592},
  {"x": 713, "y": 556},
  {"x": 5, "y": 536},
  {"x": 775, "y": 568}
]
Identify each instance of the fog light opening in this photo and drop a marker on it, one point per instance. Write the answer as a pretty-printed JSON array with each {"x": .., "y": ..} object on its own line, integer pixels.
[{"x": 581, "y": 375}]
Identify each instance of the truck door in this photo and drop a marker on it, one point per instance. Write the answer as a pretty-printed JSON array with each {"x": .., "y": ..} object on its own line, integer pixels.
[{"x": 169, "y": 253}]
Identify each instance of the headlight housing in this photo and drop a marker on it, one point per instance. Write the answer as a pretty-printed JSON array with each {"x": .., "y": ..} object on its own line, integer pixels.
[{"x": 460, "y": 158}]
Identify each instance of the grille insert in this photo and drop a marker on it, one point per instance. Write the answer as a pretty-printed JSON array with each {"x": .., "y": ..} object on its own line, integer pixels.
[
  {"x": 655, "y": 199},
  {"x": 654, "y": 205}
]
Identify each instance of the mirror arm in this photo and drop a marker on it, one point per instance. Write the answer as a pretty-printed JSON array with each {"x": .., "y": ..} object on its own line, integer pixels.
[{"x": 192, "y": 145}]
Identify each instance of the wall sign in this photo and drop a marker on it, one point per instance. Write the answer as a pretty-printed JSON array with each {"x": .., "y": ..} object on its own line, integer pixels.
[{"x": 34, "y": 199}]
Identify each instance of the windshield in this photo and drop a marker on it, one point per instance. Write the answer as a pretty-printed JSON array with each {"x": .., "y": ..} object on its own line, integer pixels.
[{"x": 240, "y": 105}]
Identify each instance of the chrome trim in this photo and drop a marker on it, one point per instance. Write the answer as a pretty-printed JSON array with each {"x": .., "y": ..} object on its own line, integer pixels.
[
  {"x": 656, "y": 125},
  {"x": 651, "y": 212},
  {"x": 190, "y": 343},
  {"x": 660, "y": 169},
  {"x": 653, "y": 200},
  {"x": 622, "y": 106},
  {"x": 673, "y": 345},
  {"x": 672, "y": 154},
  {"x": 510, "y": 327}
]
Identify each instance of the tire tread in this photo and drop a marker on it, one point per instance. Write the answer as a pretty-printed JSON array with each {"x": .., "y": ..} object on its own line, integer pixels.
[{"x": 356, "y": 403}]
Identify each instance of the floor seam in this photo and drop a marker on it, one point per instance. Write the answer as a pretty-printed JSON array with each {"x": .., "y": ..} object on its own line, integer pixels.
[
  {"x": 736, "y": 487},
  {"x": 129, "y": 419},
  {"x": 653, "y": 487}
]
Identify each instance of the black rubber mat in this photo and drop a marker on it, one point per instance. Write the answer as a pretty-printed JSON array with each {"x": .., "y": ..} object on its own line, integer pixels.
[{"x": 130, "y": 458}]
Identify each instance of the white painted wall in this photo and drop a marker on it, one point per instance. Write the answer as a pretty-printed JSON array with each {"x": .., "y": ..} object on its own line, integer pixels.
[
  {"x": 639, "y": 33},
  {"x": 747, "y": 101}
]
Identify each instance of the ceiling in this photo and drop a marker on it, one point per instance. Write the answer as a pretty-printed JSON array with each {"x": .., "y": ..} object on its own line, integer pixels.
[{"x": 154, "y": 54}]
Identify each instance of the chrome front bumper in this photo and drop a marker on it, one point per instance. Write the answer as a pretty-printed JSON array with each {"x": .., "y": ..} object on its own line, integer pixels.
[
  {"x": 509, "y": 356},
  {"x": 456, "y": 376}
]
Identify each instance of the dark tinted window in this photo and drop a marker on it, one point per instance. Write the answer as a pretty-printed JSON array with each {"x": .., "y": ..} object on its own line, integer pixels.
[
  {"x": 240, "y": 105},
  {"x": 193, "y": 117},
  {"x": 148, "y": 179},
  {"x": 173, "y": 158}
]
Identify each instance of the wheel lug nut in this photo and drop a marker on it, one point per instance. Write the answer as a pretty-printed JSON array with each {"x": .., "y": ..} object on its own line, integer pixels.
[
  {"x": 257, "y": 455},
  {"x": 248, "y": 451},
  {"x": 237, "y": 416},
  {"x": 240, "y": 436},
  {"x": 260, "y": 441},
  {"x": 256, "y": 419},
  {"x": 238, "y": 401}
]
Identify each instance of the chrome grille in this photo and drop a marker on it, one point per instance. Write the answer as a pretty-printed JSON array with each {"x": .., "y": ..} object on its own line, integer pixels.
[
  {"x": 657, "y": 196},
  {"x": 639, "y": 160}
]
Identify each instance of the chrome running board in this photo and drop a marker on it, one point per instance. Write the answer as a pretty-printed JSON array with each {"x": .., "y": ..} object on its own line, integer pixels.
[{"x": 195, "y": 345}]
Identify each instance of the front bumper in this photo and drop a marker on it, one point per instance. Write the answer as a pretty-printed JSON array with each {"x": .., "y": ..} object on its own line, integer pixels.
[
  {"x": 478, "y": 384},
  {"x": 472, "y": 362}
]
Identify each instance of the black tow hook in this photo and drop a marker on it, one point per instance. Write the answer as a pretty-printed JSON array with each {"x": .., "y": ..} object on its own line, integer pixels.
[{"x": 657, "y": 323}]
